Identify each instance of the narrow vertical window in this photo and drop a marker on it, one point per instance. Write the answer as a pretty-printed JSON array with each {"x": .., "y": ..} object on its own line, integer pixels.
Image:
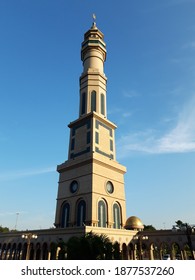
[
  {"x": 88, "y": 137},
  {"x": 83, "y": 103},
  {"x": 65, "y": 215},
  {"x": 116, "y": 215},
  {"x": 81, "y": 213},
  {"x": 93, "y": 101},
  {"x": 111, "y": 145},
  {"x": 102, "y": 104},
  {"x": 96, "y": 137},
  {"x": 102, "y": 214},
  {"x": 72, "y": 144}
]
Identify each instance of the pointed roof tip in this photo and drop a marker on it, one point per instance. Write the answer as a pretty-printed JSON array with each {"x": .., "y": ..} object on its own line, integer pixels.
[{"x": 94, "y": 26}]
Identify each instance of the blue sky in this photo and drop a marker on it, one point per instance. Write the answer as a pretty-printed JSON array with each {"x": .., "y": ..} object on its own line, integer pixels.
[{"x": 150, "y": 96}]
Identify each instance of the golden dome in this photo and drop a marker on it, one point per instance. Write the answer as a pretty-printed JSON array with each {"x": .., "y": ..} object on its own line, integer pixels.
[{"x": 134, "y": 223}]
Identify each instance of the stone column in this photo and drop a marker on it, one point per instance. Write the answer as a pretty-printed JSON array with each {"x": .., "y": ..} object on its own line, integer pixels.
[
  {"x": 151, "y": 252},
  {"x": 49, "y": 256}
]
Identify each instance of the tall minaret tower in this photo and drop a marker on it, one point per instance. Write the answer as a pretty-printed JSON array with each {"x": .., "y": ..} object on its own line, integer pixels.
[{"x": 91, "y": 182}]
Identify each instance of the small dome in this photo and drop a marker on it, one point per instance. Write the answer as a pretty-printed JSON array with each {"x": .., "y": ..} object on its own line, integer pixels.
[{"x": 134, "y": 223}]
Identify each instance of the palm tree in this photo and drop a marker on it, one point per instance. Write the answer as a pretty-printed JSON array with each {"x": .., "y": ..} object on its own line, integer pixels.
[{"x": 91, "y": 246}]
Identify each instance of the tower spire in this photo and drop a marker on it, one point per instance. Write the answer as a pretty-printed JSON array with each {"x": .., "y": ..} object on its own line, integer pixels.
[
  {"x": 94, "y": 21},
  {"x": 93, "y": 79}
]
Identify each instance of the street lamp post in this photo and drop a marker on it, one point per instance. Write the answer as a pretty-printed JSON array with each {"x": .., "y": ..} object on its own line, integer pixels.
[
  {"x": 28, "y": 237},
  {"x": 17, "y": 214},
  {"x": 140, "y": 239}
]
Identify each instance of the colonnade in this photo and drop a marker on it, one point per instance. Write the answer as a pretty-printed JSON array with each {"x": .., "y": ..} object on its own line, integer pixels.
[
  {"x": 131, "y": 251},
  {"x": 151, "y": 251}
]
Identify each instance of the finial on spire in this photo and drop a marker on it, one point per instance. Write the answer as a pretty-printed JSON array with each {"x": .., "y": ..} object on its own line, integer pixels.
[{"x": 94, "y": 19}]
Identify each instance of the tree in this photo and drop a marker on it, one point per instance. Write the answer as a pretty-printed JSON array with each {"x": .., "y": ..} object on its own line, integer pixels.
[
  {"x": 116, "y": 251},
  {"x": 74, "y": 248},
  {"x": 63, "y": 249},
  {"x": 149, "y": 227},
  {"x": 179, "y": 223},
  {"x": 91, "y": 246},
  {"x": 4, "y": 229},
  {"x": 185, "y": 227}
]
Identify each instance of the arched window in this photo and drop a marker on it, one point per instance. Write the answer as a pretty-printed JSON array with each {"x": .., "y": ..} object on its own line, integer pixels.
[
  {"x": 102, "y": 104},
  {"x": 65, "y": 215},
  {"x": 81, "y": 213},
  {"x": 117, "y": 215},
  {"x": 102, "y": 213},
  {"x": 83, "y": 103},
  {"x": 93, "y": 101}
]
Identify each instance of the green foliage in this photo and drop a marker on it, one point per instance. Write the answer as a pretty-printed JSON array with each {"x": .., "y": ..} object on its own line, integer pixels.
[
  {"x": 149, "y": 228},
  {"x": 63, "y": 249},
  {"x": 53, "y": 248},
  {"x": 180, "y": 224},
  {"x": 91, "y": 246},
  {"x": 116, "y": 251},
  {"x": 4, "y": 229},
  {"x": 74, "y": 248}
]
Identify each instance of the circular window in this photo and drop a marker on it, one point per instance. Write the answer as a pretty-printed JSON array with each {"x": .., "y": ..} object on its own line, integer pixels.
[
  {"x": 74, "y": 186},
  {"x": 109, "y": 187}
]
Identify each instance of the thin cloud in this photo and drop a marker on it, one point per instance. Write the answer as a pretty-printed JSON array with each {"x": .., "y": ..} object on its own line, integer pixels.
[
  {"x": 120, "y": 112},
  {"x": 127, "y": 114},
  {"x": 190, "y": 45},
  {"x": 130, "y": 94},
  {"x": 180, "y": 139},
  {"x": 12, "y": 175},
  {"x": 114, "y": 110}
]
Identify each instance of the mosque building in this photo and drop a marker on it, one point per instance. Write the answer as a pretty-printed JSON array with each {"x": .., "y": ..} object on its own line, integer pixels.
[{"x": 91, "y": 190}]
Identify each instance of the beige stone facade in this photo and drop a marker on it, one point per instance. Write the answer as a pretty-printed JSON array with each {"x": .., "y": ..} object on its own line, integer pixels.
[
  {"x": 133, "y": 246},
  {"x": 91, "y": 190},
  {"x": 91, "y": 185}
]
